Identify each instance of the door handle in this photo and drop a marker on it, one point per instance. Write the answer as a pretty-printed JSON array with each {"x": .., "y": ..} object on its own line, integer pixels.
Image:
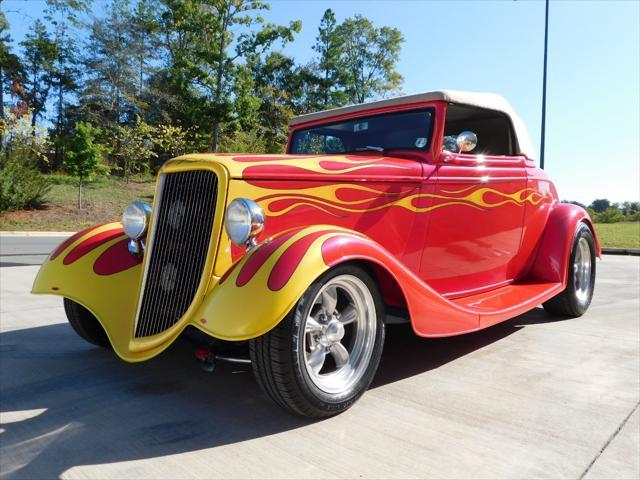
[{"x": 448, "y": 158}]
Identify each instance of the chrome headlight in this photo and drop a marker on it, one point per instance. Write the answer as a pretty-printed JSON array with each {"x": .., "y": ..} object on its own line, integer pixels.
[
  {"x": 243, "y": 221},
  {"x": 135, "y": 219}
]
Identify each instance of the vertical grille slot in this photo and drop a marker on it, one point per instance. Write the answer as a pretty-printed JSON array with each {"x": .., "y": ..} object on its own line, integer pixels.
[{"x": 178, "y": 250}]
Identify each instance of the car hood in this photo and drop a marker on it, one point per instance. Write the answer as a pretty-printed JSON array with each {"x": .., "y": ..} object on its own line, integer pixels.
[{"x": 366, "y": 166}]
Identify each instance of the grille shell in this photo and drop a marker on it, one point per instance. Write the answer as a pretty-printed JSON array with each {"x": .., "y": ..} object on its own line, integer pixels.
[{"x": 179, "y": 246}]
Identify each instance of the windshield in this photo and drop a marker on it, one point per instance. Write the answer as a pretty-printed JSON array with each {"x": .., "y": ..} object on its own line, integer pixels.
[{"x": 390, "y": 131}]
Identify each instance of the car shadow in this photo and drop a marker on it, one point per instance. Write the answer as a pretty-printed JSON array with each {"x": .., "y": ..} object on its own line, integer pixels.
[
  {"x": 405, "y": 354},
  {"x": 89, "y": 407}
]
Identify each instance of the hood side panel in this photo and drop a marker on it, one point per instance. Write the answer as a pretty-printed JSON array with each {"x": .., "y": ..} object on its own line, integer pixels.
[{"x": 363, "y": 167}]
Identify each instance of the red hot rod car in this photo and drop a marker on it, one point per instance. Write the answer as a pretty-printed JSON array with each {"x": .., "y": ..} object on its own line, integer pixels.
[{"x": 427, "y": 206}]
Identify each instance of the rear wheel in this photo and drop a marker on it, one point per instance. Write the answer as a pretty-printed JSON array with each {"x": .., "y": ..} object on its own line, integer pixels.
[
  {"x": 576, "y": 298},
  {"x": 85, "y": 324},
  {"x": 322, "y": 357}
]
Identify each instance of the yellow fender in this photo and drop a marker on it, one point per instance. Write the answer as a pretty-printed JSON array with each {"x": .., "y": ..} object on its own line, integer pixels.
[
  {"x": 259, "y": 290},
  {"x": 94, "y": 269}
]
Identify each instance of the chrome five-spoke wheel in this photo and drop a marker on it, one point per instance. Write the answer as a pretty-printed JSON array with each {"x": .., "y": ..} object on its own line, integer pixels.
[
  {"x": 339, "y": 335},
  {"x": 322, "y": 357}
]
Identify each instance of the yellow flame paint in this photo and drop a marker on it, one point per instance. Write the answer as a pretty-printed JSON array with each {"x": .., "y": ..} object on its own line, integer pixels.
[{"x": 325, "y": 199}]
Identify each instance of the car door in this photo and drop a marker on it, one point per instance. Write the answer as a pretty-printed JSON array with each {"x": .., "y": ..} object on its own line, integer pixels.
[{"x": 476, "y": 222}]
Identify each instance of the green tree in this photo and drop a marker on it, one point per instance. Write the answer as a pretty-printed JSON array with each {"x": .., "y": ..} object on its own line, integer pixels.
[
  {"x": 630, "y": 208},
  {"x": 134, "y": 148},
  {"x": 247, "y": 103},
  {"x": 599, "y": 205},
  {"x": 21, "y": 184},
  {"x": 369, "y": 58},
  {"x": 633, "y": 217},
  {"x": 171, "y": 141},
  {"x": 10, "y": 71},
  {"x": 63, "y": 16},
  {"x": 144, "y": 28},
  {"x": 277, "y": 87},
  {"x": 21, "y": 139},
  {"x": 327, "y": 73},
  {"x": 243, "y": 142},
  {"x": 110, "y": 92},
  {"x": 610, "y": 215},
  {"x": 40, "y": 54},
  {"x": 84, "y": 155},
  {"x": 208, "y": 39}
]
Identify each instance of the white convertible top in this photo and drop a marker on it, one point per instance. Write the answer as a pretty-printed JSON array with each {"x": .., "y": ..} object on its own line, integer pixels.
[{"x": 490, "y": 101}]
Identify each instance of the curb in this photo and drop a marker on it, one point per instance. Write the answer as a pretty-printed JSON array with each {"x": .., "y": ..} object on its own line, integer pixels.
[
  {"x": 35, "y": 234},
  {"x": 621, "y": 251}
]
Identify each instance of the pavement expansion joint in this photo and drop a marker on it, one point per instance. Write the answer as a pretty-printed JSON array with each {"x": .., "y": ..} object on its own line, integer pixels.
[{"x": 609, "y": 440}]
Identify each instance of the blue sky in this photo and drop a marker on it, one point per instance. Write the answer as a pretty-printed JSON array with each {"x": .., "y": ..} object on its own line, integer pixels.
[{"x": 593, "y": 109}]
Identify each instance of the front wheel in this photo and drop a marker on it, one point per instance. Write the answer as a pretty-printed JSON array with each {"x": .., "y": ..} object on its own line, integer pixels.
[
  {"x": 85, "y": 324},
  {"x": 322, "y": 357},
  {"x": 576, "y": 298}
]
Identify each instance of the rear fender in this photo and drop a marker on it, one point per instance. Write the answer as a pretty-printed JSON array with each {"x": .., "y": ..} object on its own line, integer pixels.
[
  {"x": 552, "y": 258},
  {"x": 260, "y": 289}
]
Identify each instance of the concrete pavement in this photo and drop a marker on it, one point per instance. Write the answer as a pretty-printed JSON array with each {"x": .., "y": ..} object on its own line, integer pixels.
[
  {"x": 535, "y": 397},
  {"x": 27, "y": 250}
]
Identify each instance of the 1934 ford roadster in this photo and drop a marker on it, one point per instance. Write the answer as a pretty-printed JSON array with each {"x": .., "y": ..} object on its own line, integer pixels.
[{"x": 426, "y": 208}]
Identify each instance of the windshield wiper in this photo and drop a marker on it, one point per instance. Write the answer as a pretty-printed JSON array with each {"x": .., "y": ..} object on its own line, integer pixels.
[{"x": 370, "y": 148}]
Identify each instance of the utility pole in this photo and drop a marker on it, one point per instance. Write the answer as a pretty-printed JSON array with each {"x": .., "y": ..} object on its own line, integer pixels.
[{"x": 544, "y": 82}]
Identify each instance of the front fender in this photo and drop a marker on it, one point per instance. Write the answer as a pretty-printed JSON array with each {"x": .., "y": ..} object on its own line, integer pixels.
[
  {"x": 260, "y": 289},
  {"x": 552, "y": 259},
  {"x": 95, "y": 269}
]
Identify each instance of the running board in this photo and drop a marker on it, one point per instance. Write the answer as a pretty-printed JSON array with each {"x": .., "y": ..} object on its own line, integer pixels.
[{"x": 498, "y": 305}]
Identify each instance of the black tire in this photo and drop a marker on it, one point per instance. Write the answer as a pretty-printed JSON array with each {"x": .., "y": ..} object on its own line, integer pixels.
[
  {"x": 85, "y": 324},
  {"x": 570, "y": 302},
  {"x": 279, "y": 357}
]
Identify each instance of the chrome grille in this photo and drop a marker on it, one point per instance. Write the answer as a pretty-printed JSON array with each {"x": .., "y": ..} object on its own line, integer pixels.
[{"x": 177, "y": 250}]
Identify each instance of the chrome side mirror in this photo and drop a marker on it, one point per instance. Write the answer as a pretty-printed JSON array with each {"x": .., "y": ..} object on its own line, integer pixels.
[{"x": 466, "y": 141}]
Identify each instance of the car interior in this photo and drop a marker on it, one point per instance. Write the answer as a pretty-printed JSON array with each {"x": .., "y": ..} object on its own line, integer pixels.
[
  {"x": 493, "y": 129},
  {"x": 404, "y": 130}
]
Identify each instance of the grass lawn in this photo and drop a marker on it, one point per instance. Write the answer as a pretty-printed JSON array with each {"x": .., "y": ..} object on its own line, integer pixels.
[
  {"x": 103, "y": 201},
  {"x": 620, "y": 235}
]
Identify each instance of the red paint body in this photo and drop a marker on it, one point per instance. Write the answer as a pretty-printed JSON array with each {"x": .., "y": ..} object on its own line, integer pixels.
[{"x": 462, "y": 241}]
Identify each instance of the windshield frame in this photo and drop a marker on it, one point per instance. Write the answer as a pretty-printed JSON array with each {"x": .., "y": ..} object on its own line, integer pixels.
[{"x": 361, "y": 118}]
